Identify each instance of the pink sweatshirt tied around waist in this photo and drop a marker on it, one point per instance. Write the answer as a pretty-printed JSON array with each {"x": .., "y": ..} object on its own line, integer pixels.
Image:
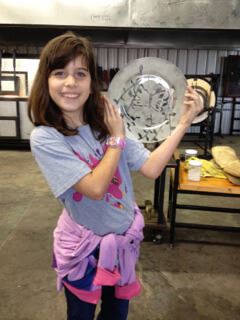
[{"x": 118, "y": 255}]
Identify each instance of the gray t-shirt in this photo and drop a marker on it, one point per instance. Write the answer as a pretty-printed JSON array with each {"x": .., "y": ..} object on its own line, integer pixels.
[{"x": 64, "y": 160}]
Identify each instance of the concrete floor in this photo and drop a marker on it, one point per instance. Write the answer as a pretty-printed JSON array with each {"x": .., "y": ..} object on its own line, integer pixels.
[{"x": 193, "y": 281}]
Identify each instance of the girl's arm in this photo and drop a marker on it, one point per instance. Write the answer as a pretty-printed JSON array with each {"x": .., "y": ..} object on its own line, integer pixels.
[
  {"x": 158, "y": 159},
  {"x": 95, "y": 184}
]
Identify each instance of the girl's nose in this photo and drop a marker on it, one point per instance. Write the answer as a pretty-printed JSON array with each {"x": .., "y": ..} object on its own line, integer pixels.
[{"x": 70, "y": 80}]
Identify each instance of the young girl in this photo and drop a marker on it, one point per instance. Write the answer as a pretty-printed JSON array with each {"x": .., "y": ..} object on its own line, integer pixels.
[{"x": 80, "y": 146}]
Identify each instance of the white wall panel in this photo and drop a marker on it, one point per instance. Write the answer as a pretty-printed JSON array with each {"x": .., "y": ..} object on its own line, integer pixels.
[
  {"x": 102, "y": 57},
  {"x": 112, "y": 58},
  {"x": 8, "y": 109},
  {"x": 202, "y": 62},
  {"x": 132, "y": 54},
  {"x": 28, "y": 65},
  {"x": 25, "y": 125},
  {"x": 152, "y": 52},
  {"x": 123, "y": 57},
  {"x": 142, "y": 52},
  {"x": 182, "y": 60},
  {"x": 7, "y": 128},
  {"x": 219, "y": 63},
  {"x": 192, "y": 61},
  {"x": 163, "y": 53},
  {"x": 211, "y": 61},
  {"x": 172, "y": 56},
  {"x": 189, "y": 61}
]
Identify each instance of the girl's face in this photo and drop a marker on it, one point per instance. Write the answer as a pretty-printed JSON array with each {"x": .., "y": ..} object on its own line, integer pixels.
[{"x": 69, "y": 88}]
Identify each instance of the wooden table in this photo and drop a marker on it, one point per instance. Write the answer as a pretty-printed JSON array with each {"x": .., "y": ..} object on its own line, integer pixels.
[{"x": 206, "y": 186}]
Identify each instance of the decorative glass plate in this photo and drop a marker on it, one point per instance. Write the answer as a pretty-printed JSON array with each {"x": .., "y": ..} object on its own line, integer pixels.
[{"x": 149, "y": 94}]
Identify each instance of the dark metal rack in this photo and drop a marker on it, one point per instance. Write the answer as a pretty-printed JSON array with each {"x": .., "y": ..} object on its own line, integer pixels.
[
  {"x": 233, "y": 101},
  {"x": 16, "y": 141},
  {"x": 18, "y": 92}
]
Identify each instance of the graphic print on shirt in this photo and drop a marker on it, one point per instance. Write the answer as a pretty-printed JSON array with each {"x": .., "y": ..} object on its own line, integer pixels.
[{"x": 113, "y": 193}]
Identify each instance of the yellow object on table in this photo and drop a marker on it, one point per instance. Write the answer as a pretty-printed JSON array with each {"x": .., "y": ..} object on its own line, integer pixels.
[{"x": 209, "y": 168}]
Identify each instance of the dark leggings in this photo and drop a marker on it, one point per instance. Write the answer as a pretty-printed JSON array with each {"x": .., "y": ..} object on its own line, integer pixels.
[{"x": 111, "y": 307}]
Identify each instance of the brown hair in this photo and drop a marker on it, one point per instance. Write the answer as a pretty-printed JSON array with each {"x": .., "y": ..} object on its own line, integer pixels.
[{"x": 42, "y": 110}]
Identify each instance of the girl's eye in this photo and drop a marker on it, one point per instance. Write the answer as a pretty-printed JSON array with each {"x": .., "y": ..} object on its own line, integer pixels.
[
  {"x": 80, "y": 74},
  {"x": 58, "y": 73}
]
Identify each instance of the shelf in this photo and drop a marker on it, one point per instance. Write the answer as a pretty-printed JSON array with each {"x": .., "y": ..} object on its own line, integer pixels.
[{"x": 13, "y": 98}]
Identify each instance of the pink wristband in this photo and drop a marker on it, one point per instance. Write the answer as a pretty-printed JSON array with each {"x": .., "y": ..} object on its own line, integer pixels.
[{"x": 115, "y": 142}]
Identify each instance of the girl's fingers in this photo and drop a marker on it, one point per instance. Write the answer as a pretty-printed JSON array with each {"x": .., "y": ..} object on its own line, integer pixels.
[
  {"x": 191, "y": 95},
  {"x": 106, "y": 110},
  {"x": 189, "y": 102},
  {"x": 190, "y": 89},
  {"x": 193, "y": 101},
  {"x": 112, "y": 118},
  {"x": 113, "y": 111}
]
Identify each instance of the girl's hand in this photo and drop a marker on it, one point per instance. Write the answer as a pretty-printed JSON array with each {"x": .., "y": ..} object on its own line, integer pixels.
[
  {"x": 192, "y": 106},
  {"x": 113, "y": 119}
]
